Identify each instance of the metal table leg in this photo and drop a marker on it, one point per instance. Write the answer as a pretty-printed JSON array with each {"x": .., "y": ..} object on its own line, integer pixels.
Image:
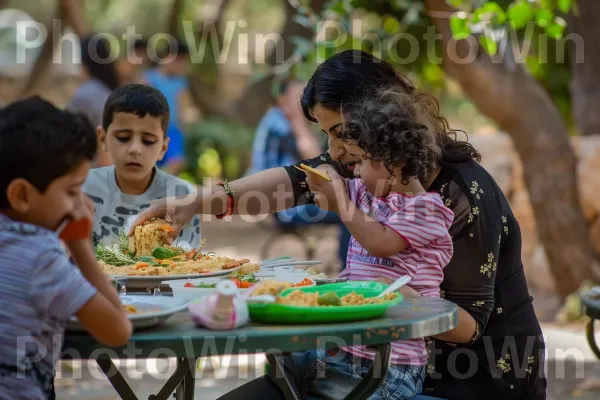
[
  {"x": 279, "y": 377},
  {"x": 175, "y": 381},
  {"x": 370, "y": 383},
  {"x": 591, "y": 338},
  {"x": 116, "y": 379},
  {"x": 185, "y": 391}
]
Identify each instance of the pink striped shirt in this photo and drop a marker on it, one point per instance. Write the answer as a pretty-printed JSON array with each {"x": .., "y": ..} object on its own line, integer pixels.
[{"x": 423, "y": 222}]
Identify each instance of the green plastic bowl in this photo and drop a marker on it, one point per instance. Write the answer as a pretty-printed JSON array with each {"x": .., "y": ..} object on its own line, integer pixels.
[{"x": 285, "y": 314}]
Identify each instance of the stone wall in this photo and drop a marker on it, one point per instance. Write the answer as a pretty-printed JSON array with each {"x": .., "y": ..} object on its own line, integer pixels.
[{"x": 501, "y": 160}]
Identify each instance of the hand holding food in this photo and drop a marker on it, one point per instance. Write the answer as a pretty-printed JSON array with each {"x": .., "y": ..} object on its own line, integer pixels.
[
  {"x": 319, "y": 172},
  {"x": 328, "y": 192},
  {"x": 179, "y": 211},
  {"x": 149, "y": 236}
]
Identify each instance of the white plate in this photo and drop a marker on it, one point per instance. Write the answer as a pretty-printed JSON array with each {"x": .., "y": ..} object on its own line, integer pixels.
[
  {"x": 162, "y": 307},
  {"x": 149, "y": 282},
  {"x": 180, "y": 291}
]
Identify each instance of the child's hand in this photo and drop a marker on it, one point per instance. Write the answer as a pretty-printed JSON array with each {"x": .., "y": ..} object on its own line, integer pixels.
[
  {"x": 328, "y": 195},
  {"x": 84, "y": 208},
  {"x": 81, "y": 217}
]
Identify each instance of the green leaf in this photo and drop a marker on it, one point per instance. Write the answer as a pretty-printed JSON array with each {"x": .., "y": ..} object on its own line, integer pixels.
[
  {"x": 303, "y": 20},
  {"x": 520, "y": 13},
  {"x": 556, "y": 29},
  {"x": 338, "y": 8},
  {"x": 564, "y": 5},
  {"x": 544, "y": 17},
  {"x": 460, "y": 27},
  {"x": 391, "y": 25},
  {"x": 488, "y": 44},
  {"x": 412, "y": 16},
  {"x": 455, "y": 3},
  {"x": 497, "y": 13}
]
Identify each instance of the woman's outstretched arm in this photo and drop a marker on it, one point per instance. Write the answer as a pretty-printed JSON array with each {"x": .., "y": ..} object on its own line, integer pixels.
[{"x": 262, "y": 193}]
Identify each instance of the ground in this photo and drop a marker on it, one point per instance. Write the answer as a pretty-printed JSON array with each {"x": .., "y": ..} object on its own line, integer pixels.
[{"x": 572, "y": 370}]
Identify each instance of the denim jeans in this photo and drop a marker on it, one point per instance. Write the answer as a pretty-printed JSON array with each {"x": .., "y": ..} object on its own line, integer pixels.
[
  {"x": 321, "y": 376},
  {"x": 307, "y": 215}
]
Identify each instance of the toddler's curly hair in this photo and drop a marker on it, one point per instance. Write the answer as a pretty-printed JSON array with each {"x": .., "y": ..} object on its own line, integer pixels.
[{"x": 386, "y": 126}]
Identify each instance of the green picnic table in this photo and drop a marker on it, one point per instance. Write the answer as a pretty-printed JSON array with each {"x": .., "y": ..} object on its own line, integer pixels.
[{"x": 180, "y": 338}]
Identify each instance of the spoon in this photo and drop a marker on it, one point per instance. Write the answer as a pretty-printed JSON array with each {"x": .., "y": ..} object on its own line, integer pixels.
[{"x": 403, "y": 280}]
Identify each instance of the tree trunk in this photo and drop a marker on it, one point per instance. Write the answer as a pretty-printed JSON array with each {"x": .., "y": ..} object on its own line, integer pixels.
[
  {"x": 585, "y": 63},
  {"x": 175, "y": 18},
  {"x": 250, "y": 108},
  {"x": 205, "y": 91},
  {"x": 38, "y": 73},
  {"x": 519, "y": 105}
]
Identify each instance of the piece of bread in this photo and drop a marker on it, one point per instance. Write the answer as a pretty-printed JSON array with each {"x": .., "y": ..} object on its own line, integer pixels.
[
  {"x": 149, "y": 236},
  {"x": 319, "y": 172}
]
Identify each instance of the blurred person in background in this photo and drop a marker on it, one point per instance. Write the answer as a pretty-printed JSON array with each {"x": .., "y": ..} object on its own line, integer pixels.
[
  {"x": 170, "y": 78},
  {"x": 284, "y": 137},
  {"x": 99, "y": 77},
  {"x": 134, "y": 63}
]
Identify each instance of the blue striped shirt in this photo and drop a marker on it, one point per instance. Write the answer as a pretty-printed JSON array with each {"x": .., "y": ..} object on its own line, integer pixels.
[
  {"x": 274, "y": 143},
  {"x": 39, "y": 290}
]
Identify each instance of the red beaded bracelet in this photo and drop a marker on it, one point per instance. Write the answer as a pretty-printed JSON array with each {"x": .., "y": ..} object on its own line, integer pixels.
[{"x": 230, "y": 199}]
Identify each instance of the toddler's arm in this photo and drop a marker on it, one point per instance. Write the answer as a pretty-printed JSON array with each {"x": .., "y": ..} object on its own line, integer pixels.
[{"x": 379, "y": 240}]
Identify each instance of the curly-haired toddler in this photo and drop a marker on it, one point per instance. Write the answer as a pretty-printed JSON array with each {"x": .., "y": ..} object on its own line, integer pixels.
[{"x": 397, "y": 229}]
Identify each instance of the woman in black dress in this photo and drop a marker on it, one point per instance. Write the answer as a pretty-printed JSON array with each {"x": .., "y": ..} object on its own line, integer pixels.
[{"x": 497, "y": 350}]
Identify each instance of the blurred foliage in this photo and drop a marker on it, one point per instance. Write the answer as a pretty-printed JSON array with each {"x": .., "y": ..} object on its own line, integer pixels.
[
  {"x": 219, "y": 148},
  {"x": 400, "y": 32}
]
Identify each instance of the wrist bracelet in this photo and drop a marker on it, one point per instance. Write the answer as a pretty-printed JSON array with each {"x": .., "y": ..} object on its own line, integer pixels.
[{"x": 230, "y": 199}]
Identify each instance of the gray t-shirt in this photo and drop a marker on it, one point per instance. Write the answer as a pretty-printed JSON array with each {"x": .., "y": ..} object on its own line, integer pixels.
[
  {"x": 114, "y": 209},
  {"x": 39, "y": 290}
]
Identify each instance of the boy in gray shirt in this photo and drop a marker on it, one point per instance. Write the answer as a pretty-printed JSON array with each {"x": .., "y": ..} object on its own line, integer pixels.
[{"x": 133, "y": 131}]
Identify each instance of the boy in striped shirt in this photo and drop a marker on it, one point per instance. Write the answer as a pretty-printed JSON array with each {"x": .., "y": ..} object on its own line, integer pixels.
[
  {"x": 45, "y": 155},
  {"x": 397, "y": 229}
]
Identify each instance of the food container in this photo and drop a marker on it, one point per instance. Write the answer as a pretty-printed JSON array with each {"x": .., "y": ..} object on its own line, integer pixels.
[{"x": 288, "y": 314}]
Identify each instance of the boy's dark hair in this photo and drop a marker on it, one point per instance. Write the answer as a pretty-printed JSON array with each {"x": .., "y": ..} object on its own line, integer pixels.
[
  {"x": 139, "y": 100},
  {"x": 40, "y": 143},
  {"x": 387, "y": 126}
]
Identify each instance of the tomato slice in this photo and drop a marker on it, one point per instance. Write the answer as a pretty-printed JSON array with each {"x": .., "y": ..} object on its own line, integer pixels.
[{"x": 189, "y": 284}]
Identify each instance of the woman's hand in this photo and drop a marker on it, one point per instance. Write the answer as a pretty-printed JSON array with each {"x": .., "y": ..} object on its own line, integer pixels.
[
  {"x": 328, "y": 195},
  {"x": 178, "y": 211}
]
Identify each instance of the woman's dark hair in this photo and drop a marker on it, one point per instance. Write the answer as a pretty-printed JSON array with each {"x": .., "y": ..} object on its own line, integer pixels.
[
  {"x": 385, "y": 126},
  {"x": 40, "y": 143},
  {"x": 352, "y": 76},
  {"x": 95, "y": 57}
]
